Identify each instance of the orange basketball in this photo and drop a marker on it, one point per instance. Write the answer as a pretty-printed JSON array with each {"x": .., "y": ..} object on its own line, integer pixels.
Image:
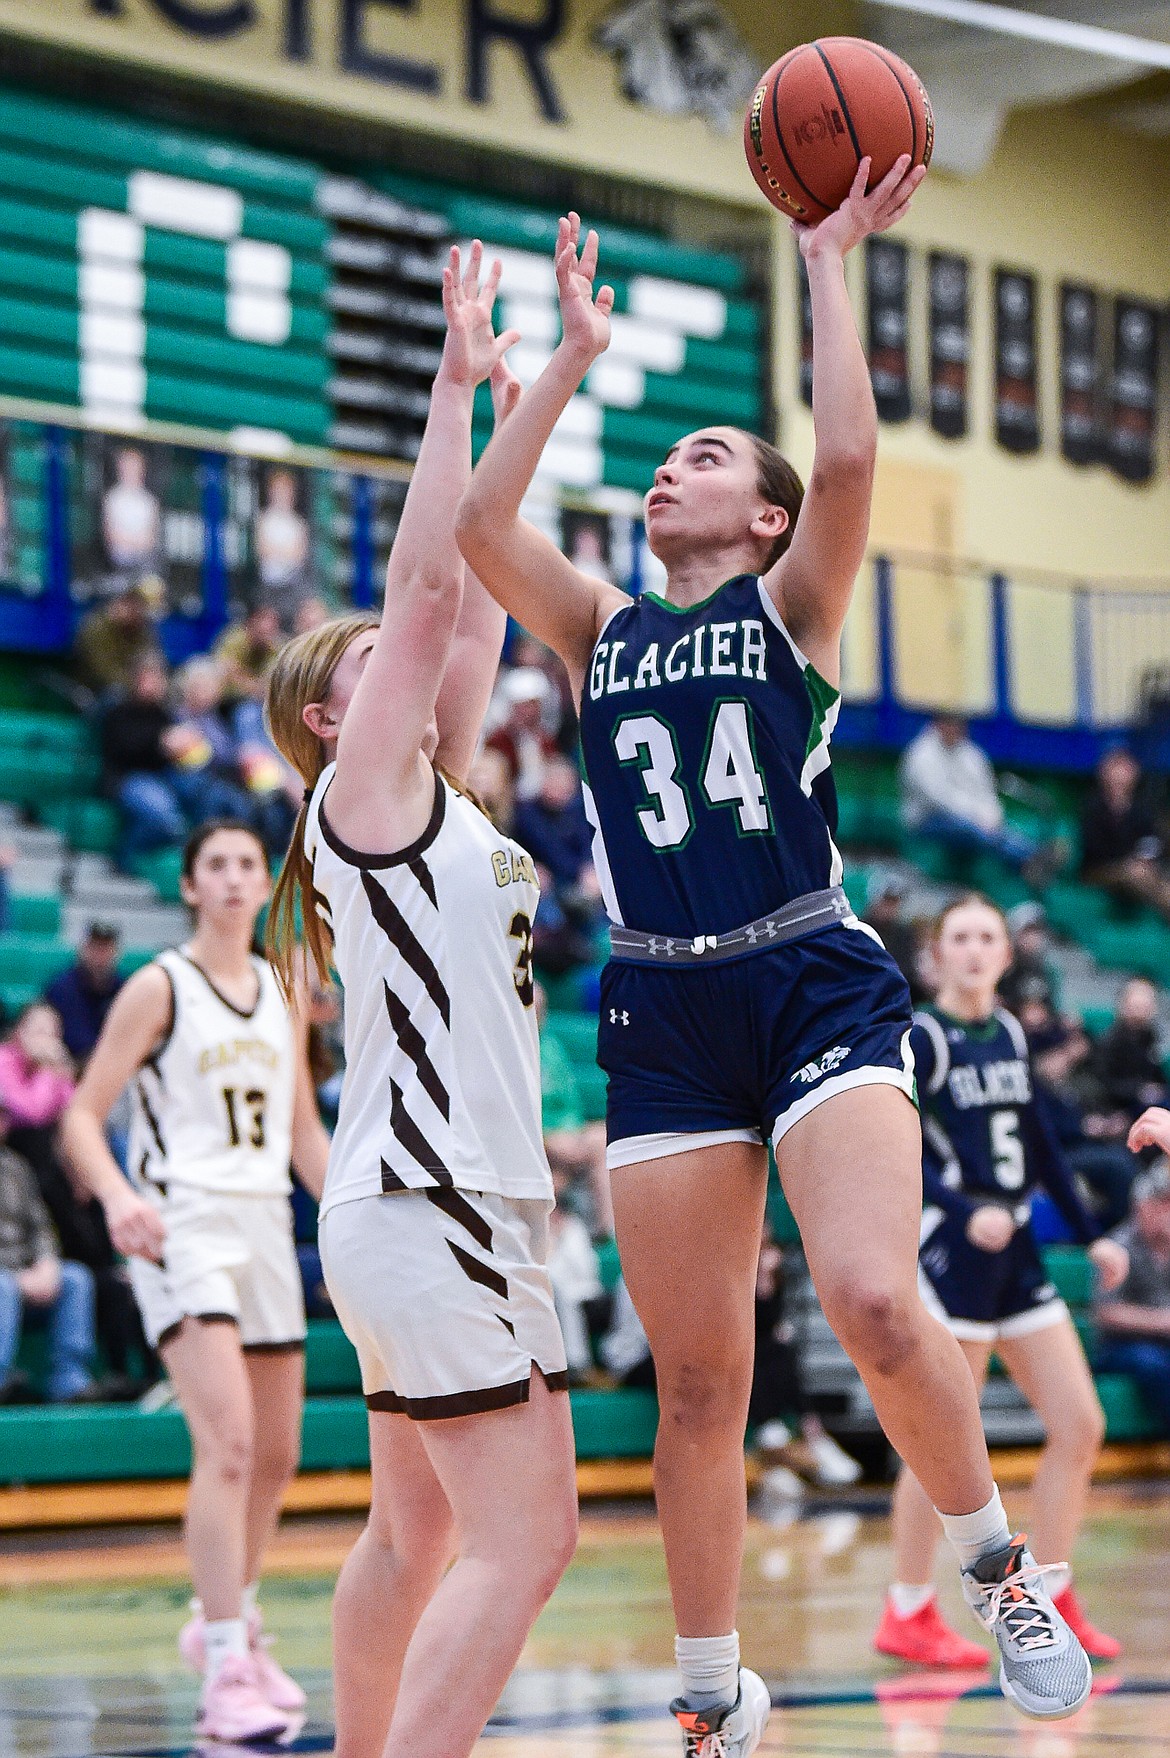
[{"x": 823, "y": 108}]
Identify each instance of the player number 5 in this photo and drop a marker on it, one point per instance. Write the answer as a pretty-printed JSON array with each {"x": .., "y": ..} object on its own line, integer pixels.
[{"x": 1007, "y": 1149}]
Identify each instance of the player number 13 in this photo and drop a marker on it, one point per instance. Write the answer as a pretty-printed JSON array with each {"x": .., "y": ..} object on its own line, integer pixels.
[{"x": 729, "y": 774}]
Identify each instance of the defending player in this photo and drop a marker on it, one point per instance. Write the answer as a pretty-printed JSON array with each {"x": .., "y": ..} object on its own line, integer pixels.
[
  {"x": 743, "y": 1000},
  {"x": 434, "y": 1223},
  {"x": 987, "y": 1148},
  {"x": 223, "y": 1101}
]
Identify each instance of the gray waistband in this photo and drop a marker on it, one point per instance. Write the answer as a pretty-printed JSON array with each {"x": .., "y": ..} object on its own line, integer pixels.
[{"x": 804, "y": 915}]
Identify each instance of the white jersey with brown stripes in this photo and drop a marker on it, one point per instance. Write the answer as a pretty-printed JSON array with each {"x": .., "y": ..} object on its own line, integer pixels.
[
  {"x": 433, "y": 945},
  {"x": 213, "y": 1105}
]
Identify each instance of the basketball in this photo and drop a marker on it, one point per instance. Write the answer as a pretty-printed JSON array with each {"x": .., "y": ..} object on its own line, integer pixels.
[{"x": 824, "y": 107}]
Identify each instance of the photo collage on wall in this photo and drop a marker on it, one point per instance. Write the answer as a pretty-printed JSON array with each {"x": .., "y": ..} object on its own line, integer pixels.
[
  {"x": 1107, "y": 369},
  {"x": 136, "y": 521}
]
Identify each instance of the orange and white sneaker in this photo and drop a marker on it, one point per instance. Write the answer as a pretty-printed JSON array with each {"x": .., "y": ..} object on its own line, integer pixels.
[
  {"x": 726, "y": 1730},
  {"x": 233, "y": 1707},
  {"x": 927, "y": 1639},
  {"x": 280, "y": 1689},
  {"x": 1096, "y": 1644}
]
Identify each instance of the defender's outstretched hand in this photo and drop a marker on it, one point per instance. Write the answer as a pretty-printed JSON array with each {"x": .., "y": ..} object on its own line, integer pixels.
[
  {"x": 861, "y": 215},
  {"x": 472, "y": 350},
  {"x": 1152, "y": 1130},
  {"x": 584, "y": 315}
]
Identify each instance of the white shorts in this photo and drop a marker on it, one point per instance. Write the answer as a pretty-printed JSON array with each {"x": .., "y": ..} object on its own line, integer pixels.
[
  {"x": 227, "y": 1258},
  {"x": 445, "y": 1296}
]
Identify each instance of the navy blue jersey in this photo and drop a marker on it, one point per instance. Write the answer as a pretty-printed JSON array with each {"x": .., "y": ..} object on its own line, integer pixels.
[
  {"x": 705, "y": 735},
  {"x": 986, "y": 1137}
]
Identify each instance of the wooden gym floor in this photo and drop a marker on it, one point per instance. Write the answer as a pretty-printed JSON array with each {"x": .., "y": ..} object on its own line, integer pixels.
[{"x": 88, "y": 1666}]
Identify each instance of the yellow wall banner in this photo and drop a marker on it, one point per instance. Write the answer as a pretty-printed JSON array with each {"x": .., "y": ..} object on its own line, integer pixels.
[{"x": 652, "y": 89}]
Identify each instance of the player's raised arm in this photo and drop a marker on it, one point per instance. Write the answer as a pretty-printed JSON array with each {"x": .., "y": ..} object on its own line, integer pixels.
[
  {"x": 381, "y": 765},
  {"x": 521, "y": 568},
  {"x": 474, "y": 659},
  {"x": 812, "y": 582}
]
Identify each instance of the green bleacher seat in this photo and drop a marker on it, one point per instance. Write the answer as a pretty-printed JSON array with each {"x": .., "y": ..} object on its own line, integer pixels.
[
  {"x": 331, "y": 1364},
  {"x": 1126, "y": 1416},
  {"x": 1072, "y": 1272},
  {"x": 34, "y": 913},
  {"x": 577, "y": 1035},
  {"x": 1097, "y": 1019},
  {"x": 31, "y": 960},
  {"x": 162, "y": 868},
  {"x": 591, "y": 1085},
  {"x": 107, "y": 1442},
  {"x": 87, "y": 824},
  {"x": 1141, "y": 948}
]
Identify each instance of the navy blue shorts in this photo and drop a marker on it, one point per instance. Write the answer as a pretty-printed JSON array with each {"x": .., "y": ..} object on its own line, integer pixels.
[
  {"x": 743, "y": 1050},
  {"x": 983, "y": 1295}
]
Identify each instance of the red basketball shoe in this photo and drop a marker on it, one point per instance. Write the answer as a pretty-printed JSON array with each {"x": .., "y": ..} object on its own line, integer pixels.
[
  {"x": 1096, "y": 1644},
  {"x": 927, "y": 1639}
]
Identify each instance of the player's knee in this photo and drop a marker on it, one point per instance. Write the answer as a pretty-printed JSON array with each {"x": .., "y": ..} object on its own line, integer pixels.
[
  {"x": 231, "y": 1457},
  {"x": 878, "y": 1323},
  {"x": 1079, "y": 1432},
  {"x": 702, "y": 1395},
  {"x": 276, "y": 1460}
]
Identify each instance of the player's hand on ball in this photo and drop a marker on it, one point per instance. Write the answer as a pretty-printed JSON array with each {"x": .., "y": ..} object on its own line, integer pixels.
[
  {"x": 472, "y": 350},
  {"x": 1152, "y": 1130},
  {"x": 136, "y": 1227},
  {"x": 584, "y": 315},
  {"x": 1111, "y": 1262},
  {"x": 991, "y": 1227},
  {"x": 861, "y": 215}
]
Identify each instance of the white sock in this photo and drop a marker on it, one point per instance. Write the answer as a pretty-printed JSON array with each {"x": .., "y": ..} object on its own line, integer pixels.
[
  {"x": 248, "y": 1600},
  {"x": 223, "y": 1639},
  {"x": 977, "y": 1535},
  {"x": 710, "y": 1668},
  {"x": 1058, "y": 1580},
  {"x": 907, "y": 1600}
]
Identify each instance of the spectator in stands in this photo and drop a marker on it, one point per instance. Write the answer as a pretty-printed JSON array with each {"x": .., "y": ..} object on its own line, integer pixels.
[
  {"x": 36, "y": 1084},
  {"x": 246, "y": 651},
  {"x": 1031, "y": 975},
  {"x": 559, "y": 710},
  {"x": 131, "y": 519},
  {"x": 905, "y": 940},
  {"x": 1134, "y": 1320},
  {"x": 37, "y": 1286},
  {"x": 159, "y": 769},
  {"x": 1126, "y": 1060},
  {"x": 949, "y": 796},
  {"x": 1122, "y": 848},
  {"x": 575, "y": 1275},
  {"x": 36, "y": 1074},
  {"x": 521, "y": 735},
  {"x": 1093, "y": 1138},
  {"x": 283, "y": 550},
  {"x": 113, "y": 640},
  {"x": 82, "y": 994},
  {"x": 779, "y": 1398},
  {"x": 553, "y": 827}
]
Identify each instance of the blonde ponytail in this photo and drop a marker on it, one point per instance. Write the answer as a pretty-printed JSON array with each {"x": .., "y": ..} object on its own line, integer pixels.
[{"x": 303, "y": 673}]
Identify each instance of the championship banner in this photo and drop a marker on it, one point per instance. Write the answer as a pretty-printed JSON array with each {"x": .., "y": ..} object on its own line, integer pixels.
[
  {"x": 1081, "y": 434},
  {"x": 950, "y": 342},
  {"x": 1017, "y": 419},
  {"x": 1134, "y": 389},
  {"x": 887, "y": 277},
  {"x": 806, "y": 331}
]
